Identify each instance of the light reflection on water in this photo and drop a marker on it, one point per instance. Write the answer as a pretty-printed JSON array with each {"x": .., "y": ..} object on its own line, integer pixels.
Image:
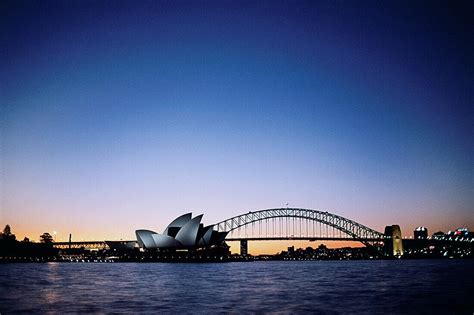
[{"x": 428, "y": 286}]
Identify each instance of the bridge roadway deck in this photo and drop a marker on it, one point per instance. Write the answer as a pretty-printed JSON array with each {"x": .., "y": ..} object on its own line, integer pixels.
[
  {"x": 80, "y": 244},
  {"x": 304, "y": 238},
  {"x": 102, "y": 244}
]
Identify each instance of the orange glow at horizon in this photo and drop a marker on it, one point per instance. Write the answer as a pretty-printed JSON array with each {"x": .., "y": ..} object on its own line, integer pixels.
[{"x": 274, "y": 247}]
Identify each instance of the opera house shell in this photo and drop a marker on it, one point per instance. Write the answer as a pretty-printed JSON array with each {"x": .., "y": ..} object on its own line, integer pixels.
[{"x": 184, "y": 232}]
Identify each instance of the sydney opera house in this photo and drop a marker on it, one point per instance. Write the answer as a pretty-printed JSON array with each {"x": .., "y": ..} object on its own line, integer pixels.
[{"x": 184, "y": 232}]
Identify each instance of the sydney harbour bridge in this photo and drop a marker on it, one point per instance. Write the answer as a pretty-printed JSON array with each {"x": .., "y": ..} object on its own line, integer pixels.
[{"x": 293, "y": 223}]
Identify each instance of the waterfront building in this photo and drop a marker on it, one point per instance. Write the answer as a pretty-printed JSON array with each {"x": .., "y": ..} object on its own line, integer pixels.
[
  {"x": 121, "y": 246},
  {"x": 438, "y": 235},
  {"x": 420, "y": 233}
]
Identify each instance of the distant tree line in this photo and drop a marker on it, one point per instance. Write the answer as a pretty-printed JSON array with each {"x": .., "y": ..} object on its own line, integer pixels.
[{"x": 10, "y": 247}]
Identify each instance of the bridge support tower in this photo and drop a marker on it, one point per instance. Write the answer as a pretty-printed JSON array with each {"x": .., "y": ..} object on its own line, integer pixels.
[
  {"x": 244, "y": 247},
  {"x": 393, "y": 245}
]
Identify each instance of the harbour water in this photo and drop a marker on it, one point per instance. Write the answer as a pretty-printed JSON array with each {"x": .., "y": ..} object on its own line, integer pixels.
[{"x": 331, "y": 287}]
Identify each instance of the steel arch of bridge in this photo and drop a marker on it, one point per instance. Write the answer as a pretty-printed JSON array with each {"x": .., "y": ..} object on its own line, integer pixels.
[{"x": 355, "y": 230}]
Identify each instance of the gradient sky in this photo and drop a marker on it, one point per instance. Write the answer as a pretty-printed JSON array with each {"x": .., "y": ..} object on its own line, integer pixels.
[{"x": 117, "y": 116}]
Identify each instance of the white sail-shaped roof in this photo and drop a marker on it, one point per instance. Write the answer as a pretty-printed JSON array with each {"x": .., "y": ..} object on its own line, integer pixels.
[
  {"x": 206, "y": 238},
  {"x": 183, "y": 232},
  {"x": 188, "y": 233},
  {"x": 178, "y": 222},
  {"x": 165, "y": 241},
  {"x": 145, "y": 239}
]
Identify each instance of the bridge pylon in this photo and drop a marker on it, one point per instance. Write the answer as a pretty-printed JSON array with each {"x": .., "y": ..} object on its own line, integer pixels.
[
  {"x": 393, "y": 245},
  {"x": 244, "y": 247}
]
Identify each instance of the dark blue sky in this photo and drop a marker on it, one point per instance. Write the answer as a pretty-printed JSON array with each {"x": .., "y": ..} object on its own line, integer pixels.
[{"x": 133, "y": 113}]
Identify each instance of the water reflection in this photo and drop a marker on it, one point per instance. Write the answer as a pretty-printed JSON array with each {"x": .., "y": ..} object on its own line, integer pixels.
[{"x": 289, "y": 287}]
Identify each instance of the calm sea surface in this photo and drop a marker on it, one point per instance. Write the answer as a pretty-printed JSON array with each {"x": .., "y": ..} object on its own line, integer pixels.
[{"x": 401, "y": 287}]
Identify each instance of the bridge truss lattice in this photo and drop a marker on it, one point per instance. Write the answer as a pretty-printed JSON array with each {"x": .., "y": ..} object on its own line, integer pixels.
[{"x": 281, "y": 220}]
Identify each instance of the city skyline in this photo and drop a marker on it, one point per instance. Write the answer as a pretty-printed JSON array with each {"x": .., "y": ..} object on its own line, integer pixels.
[{"x": 116, "y": 116}]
